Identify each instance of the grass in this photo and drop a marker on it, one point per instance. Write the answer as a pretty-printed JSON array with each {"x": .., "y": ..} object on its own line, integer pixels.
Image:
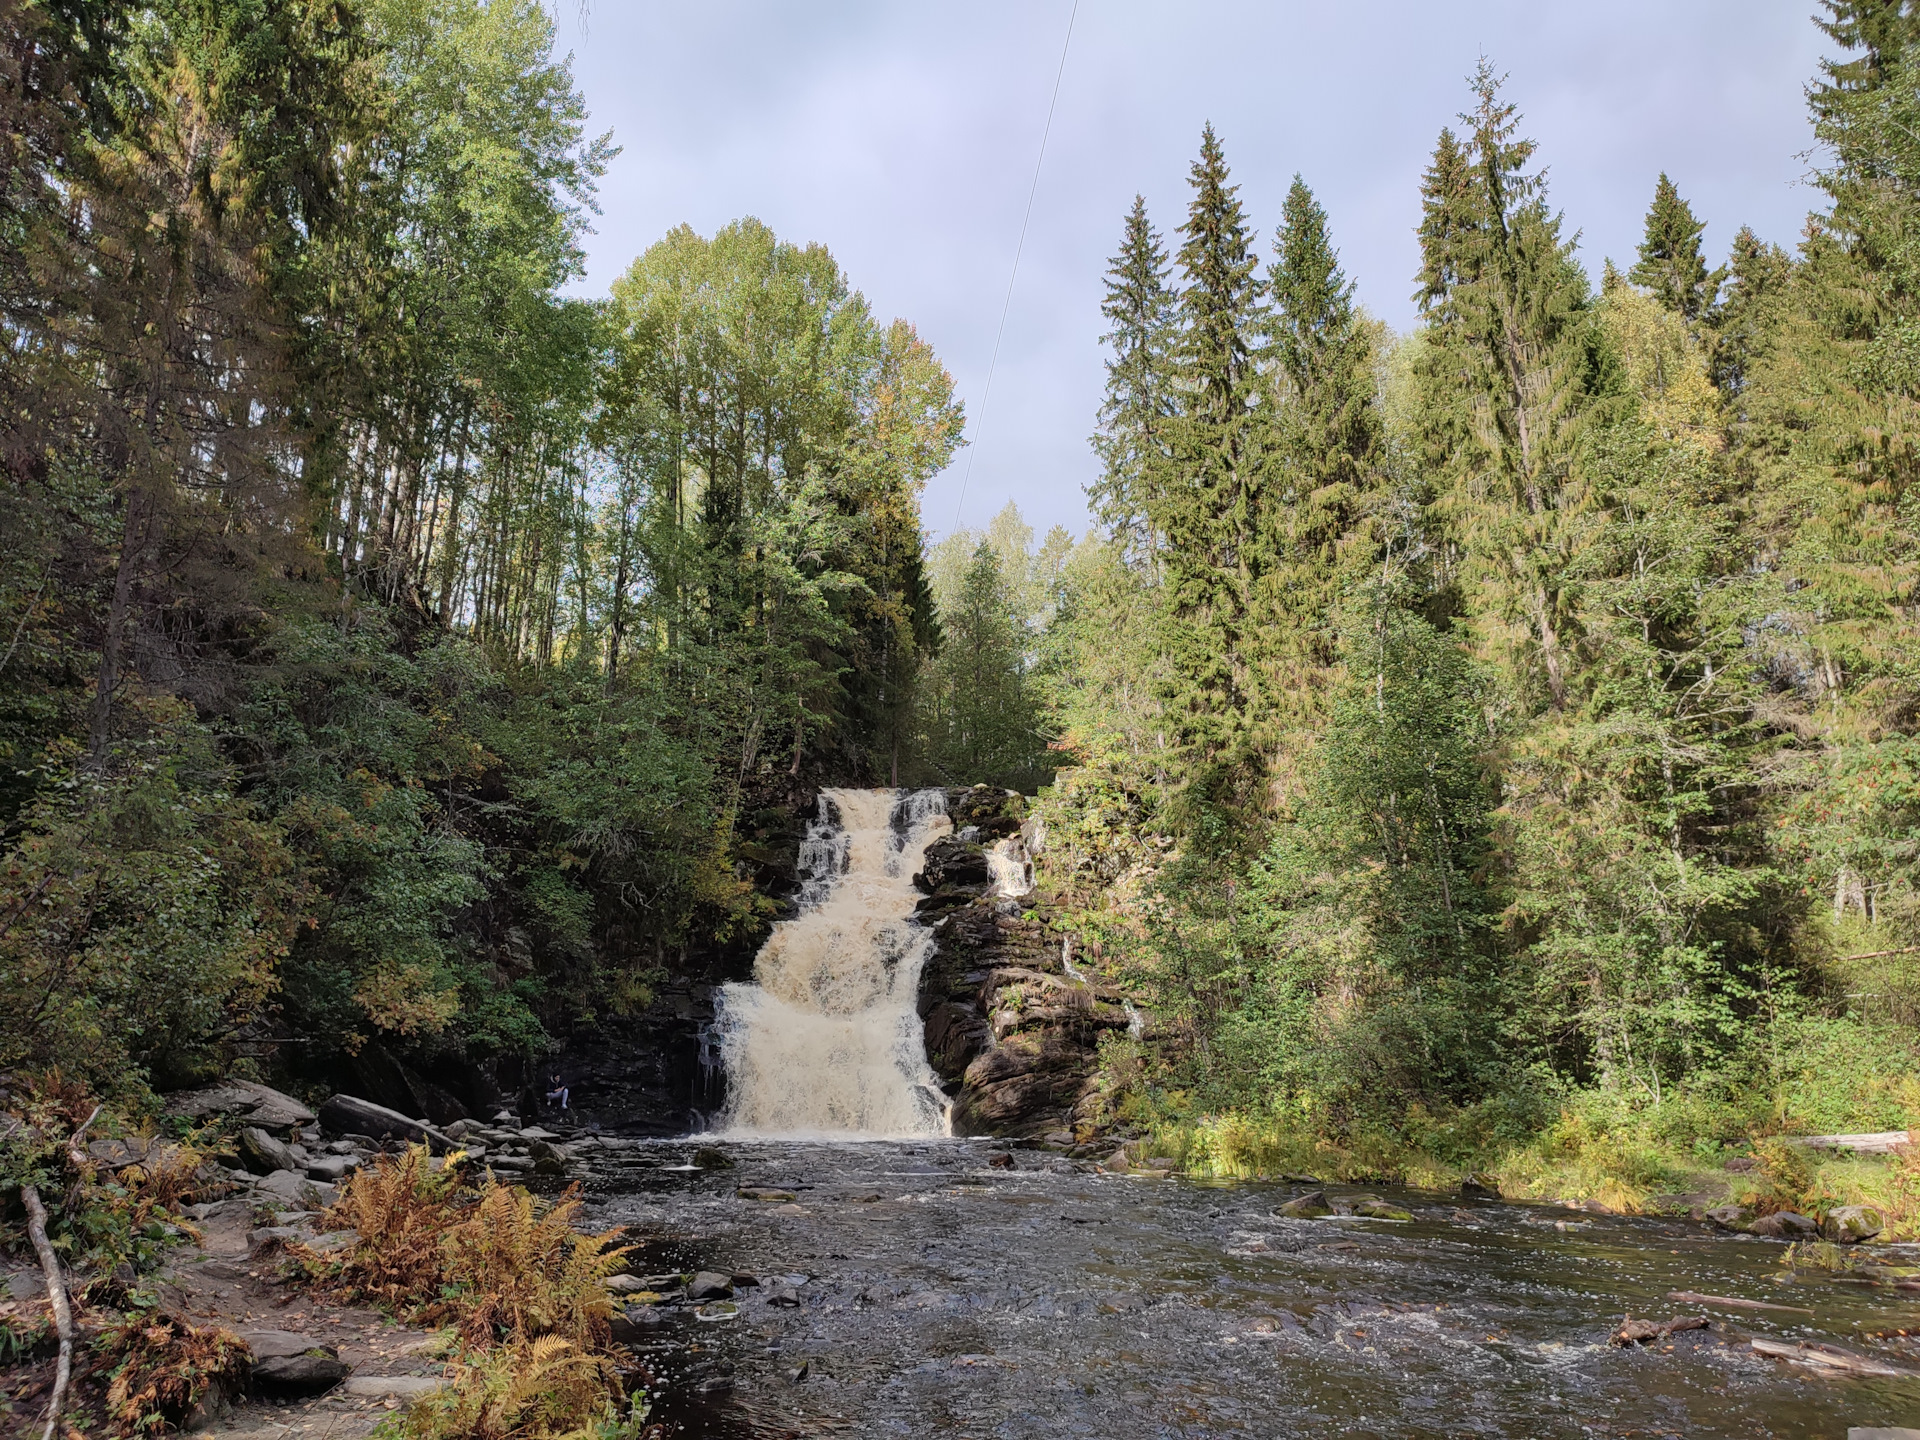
[{"x": 1595, "y": 1148}]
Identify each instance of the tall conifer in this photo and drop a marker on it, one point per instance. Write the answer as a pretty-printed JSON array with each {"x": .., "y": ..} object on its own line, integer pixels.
[
  {"x": 1671, "y": 265},
  {"x": 1209, "y": 512},
  {"x": 1131, "y": 442},
  {"x": 1758, "y": 275},
  {"x": 1503, "y": 373},
  {"x": 1327, "y": 436}
]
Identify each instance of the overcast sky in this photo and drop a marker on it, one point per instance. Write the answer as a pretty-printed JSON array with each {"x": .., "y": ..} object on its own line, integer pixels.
[{"x": 904, "y": 136}]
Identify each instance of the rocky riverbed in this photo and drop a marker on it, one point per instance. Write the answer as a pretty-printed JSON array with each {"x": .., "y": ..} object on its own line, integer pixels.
[{"x": 969, "y": 1288}]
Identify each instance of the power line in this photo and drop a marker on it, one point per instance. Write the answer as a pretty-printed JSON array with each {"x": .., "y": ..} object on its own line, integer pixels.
[{"x": 987, "y": 393}]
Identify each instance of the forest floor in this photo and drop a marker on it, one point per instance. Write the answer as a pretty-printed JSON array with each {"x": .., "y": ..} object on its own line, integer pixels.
[{"x": 233, "y": 1283}]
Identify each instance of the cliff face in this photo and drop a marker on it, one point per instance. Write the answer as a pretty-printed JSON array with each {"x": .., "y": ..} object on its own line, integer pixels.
[{"x": 1010, "y": 1029}]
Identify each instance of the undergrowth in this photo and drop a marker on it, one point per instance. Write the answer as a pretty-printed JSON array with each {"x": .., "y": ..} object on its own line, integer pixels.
[
  {"x": 163, "y": 1367},
  {"x": 1595, "y": 1147},
  {"x": 523, "y": 1291}
]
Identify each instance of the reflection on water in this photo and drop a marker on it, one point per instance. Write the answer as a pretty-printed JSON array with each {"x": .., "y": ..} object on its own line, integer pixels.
[{"x": 940, "y": 1295}]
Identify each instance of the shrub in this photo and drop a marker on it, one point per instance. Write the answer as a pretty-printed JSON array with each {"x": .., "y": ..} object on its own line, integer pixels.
[
  {"x": 544, "y": 1389},
  {"x": 163, "y": 1367},
  {"x": 524, "y": 1293}
]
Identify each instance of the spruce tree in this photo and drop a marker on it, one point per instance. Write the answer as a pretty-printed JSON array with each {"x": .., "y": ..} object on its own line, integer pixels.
[
  {"x": 1448, "y": 218},
  {"x": 1326, "y": 444},
  {"x": 1209, "y": 509},
  {"x": 1140, "y": 307},
  {"x": 1503, "y": 375},
  {"x": 1671, "y": 265},
  {"x": 1758, "y": 275},
  {"x": 1883, "y": 29}
]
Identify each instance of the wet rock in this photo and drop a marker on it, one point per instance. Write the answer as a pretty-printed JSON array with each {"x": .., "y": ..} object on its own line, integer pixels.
[
  {"x": 781, "y": 1292},
  {"x": 1851, "y": 1224},
  {"x": 1001, "y": 1161},
  {"x": 956, "y": 1033},
  {"x": 710, "y": 1285},
  {"x": 634, "y": 1325},
  {"x": 711, "y": 1157},
  {"x": 1784, "y": 1225},
  {"x": 310, "y": 1373},
  {"x": 1731, "y": 1217},
  {"x": 633, "y": 1285},
  {"x": 263, "y": 1154},
  {"x": 1643, "y": 1332},
  {"x": 1310, "y": 1206},
  {"x": 717, "y": 1310},
  {"x": 1478, "y": 1186},
  {"x": 765, "y": 1193},
  {"x": 951, "y": 861},
  {"x": 1372, "y": 1207}
]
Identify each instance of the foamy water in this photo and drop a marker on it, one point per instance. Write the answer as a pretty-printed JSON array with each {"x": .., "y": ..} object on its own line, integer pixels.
[{"x": 827, "y": 1040}]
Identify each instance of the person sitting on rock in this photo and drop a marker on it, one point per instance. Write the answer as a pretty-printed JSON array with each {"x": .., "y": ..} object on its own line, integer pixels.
[{"x": 557, "y": 1091}]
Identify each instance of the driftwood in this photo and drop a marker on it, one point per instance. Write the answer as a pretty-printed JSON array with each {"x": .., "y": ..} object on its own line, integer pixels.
[
  {"x": 56, "y": 1283},
  {"x": 1691, "y": 1297},
  {"x": 1829, "y": 1357},
  {"x": 1641, "y": 1332}
]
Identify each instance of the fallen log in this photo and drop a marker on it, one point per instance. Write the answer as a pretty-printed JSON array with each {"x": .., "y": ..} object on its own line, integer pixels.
[
  {"x": 350, "y": 1115},
  {"x": 1879, "y": 1142},
  {"x": 1642, "y": 1332},
  {"x": 1693, "y": 1297},
  {"x": 1830, "y": 1357}
]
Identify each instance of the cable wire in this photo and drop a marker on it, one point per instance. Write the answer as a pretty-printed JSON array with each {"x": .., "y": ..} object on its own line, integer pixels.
[{"x": 993, "y": 364}]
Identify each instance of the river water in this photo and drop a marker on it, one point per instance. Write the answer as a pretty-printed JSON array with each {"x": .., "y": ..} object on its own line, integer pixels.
[
  {"x": 942, "y": 1296},
  {"x": 914, "y": 1287}
]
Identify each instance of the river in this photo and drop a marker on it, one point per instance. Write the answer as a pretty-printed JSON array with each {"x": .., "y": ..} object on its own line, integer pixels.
[{"x": 940, "y": 1295}]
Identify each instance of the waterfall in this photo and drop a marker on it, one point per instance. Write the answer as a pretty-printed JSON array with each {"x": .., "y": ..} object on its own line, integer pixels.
[
  {"x": 827, "y": 1038},
  {"x": 1010, "y": 869}
]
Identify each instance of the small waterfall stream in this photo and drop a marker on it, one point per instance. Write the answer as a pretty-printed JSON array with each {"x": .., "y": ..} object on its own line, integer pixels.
[{"x": 826, "y": 1041}]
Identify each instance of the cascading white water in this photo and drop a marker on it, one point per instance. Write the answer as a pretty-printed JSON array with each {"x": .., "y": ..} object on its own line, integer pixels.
[
  {"x": 1010, "y": 869},
  {"x": 827, "y": 1040}
]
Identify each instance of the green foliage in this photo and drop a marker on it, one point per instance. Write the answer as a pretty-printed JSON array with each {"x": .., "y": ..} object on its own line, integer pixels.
[
  {"x": 143, "y": 908},
  {"x": 981, "y": 718},
  {"x": 1670, "y": 264},
  {"x": 1602, "y": 808}
]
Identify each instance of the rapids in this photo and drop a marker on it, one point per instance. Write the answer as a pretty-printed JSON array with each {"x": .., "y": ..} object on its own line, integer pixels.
[{"x": 941, "y": 1295}]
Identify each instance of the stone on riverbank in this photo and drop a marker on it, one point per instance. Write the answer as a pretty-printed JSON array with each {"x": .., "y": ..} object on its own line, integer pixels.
[
  {"x": 1784, "y": 1225},
  {"x": 310, "y": 1373},
  {"x": 1851, "y": 1224},
  {"x": 263, "y": 1154}
]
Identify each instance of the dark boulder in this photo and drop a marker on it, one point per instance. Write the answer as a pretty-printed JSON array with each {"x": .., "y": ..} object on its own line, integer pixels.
[{"x": 313, "y": 1373}]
